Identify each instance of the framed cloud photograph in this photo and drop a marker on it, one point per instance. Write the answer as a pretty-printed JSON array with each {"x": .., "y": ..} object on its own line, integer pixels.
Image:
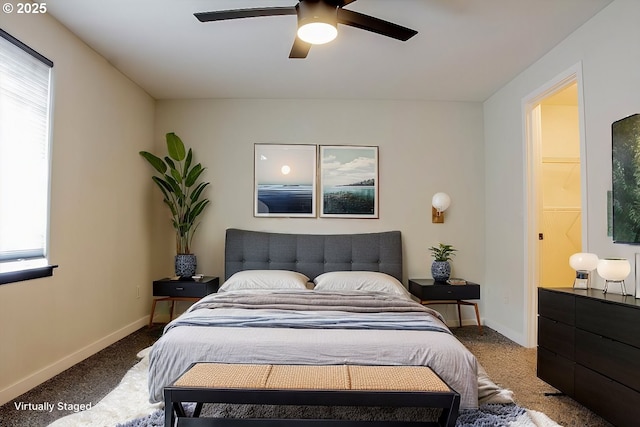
[
  {"x": 285, "y": 180},
  {"x": 348, "y": 181}
]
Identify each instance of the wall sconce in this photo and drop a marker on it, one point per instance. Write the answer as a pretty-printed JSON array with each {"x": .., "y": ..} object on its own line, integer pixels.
[
  {"x": 439, "y": 203},
  {"x": 614, "y": 270},
  {"x": 583, "y": 263}
]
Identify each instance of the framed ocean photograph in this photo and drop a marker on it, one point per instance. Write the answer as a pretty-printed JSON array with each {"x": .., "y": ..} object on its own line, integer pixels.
[
  {"x": 348, "y": 181},
  {"x": 285, "y": 180}
]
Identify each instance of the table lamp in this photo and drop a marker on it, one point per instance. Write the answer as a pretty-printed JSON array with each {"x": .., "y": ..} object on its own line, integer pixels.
[
  {"x": 583, "y": 263},
  {"x": 614, "y": 270}
]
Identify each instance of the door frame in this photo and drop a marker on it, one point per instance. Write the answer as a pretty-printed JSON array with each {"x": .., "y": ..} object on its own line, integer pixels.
[{"x": 531, "y": 130}]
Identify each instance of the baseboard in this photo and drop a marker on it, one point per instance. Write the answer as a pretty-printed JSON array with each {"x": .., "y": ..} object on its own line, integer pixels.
[
  {"x": 453, "y": 323},
  {"x": 514, "y": 336},
  {"x": 48, "y": 372},
  {"x": 471, "y": 322}
]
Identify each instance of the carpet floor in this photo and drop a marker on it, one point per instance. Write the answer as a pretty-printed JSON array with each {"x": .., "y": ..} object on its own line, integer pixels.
[{"x": 508, "y": 364}]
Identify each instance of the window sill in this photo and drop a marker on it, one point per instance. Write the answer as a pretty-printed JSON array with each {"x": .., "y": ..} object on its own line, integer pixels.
[{"x": 25, "y": 270}]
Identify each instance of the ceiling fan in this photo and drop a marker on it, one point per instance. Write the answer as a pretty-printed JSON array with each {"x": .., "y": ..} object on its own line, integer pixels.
[{"x": 317, "y": 22}]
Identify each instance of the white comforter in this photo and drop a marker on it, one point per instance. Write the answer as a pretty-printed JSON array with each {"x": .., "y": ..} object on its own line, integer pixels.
[{"x": 182, "y": 345}]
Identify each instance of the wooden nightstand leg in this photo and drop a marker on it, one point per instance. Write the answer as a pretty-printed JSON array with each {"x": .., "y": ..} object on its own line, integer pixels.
[
  {"x": 153, "y": 310},
  {"x": 458, "y": 302},
  {"x": 475, "y": 306},
  {"x": 171, "y": 311},
  {"x": 478, "y": 317}
]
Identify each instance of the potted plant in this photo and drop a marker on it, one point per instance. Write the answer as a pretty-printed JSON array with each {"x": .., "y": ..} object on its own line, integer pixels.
[
  {"x": 178, "y": 181},
  {"x": 440, "y": 268}
]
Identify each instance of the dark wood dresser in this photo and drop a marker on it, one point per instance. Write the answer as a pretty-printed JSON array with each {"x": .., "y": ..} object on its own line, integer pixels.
[{"x": 589, "y": 348}]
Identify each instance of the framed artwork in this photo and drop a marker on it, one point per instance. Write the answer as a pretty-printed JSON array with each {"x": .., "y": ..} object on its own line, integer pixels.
[
  {"x": 348, "y": 181},
  {"x": 625, "y": 145},
  {"x": 285, "y": 180},
  {"x": 609, "y": 213},
  {"x": 637, "y": 274}
]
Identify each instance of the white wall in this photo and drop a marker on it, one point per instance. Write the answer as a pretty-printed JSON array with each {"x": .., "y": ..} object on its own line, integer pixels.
[
  {"x": 100, "y": 217},
  {"x": 424, "y": 147},
  {"x": 606, "y": 48}
]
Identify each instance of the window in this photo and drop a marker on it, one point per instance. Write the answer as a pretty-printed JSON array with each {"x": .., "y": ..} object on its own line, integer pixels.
[{"x": 24, "y": 161}]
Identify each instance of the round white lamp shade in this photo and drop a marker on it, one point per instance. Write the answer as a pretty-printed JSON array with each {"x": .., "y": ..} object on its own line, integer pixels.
[
  {"x": 583, "y": 261},
  {"x": 614, "y": 269},
  {"x": 441, "y": 201}
]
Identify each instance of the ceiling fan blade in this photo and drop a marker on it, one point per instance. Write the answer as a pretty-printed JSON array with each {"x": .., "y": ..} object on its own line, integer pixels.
[
  {"x": 369, "y": 23},
  {"x": 300, "y": 49},
  {"x": 221, "y": 15}
]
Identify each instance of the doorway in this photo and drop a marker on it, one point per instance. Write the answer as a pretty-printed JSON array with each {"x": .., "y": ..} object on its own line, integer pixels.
[
  {"x": 555, "y": 188},
  {"x": 560, "y": 209}
]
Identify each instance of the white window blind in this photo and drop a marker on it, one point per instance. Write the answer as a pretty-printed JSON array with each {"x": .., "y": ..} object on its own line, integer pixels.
[{"x": 24, "y": 150}]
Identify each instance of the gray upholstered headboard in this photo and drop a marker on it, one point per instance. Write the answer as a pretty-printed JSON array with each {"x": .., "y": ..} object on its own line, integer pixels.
[{"x": 313, "y": 254}]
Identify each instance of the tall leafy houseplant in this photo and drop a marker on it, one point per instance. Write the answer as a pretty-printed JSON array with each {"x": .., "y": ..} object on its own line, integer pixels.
[
  {"x": 183, "y": 194},
  {"x": 442, "y": 254}
]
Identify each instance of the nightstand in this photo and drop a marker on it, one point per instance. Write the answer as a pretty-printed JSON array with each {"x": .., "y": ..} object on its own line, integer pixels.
[
  {"x": 173, "y": 290},
  {"x": 428, "y": 291}
]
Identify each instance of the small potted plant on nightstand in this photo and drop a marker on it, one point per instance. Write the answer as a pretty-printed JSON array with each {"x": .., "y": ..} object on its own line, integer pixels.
[
  {"x": 182, "y": 193},
  {"x": 440, "y": 268}
]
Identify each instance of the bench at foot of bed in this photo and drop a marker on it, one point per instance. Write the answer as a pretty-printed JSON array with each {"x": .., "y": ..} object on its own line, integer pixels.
[{"x": 331, "y": 385}]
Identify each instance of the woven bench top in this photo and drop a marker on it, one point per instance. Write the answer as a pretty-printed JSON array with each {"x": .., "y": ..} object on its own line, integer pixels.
[{"x": 312, "y": 377}]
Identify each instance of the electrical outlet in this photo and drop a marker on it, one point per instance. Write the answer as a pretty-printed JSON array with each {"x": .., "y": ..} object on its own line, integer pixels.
[{"x": 138, "y": 292}]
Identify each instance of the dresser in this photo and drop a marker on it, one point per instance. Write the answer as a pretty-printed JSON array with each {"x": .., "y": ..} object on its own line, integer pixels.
[{"x": 589, "y": 348}]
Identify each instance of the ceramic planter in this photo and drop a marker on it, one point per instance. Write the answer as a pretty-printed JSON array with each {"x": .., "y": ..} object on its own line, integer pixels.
[
  {"x": 440, "y": 270},
  {"x": 186, "y": 265}
]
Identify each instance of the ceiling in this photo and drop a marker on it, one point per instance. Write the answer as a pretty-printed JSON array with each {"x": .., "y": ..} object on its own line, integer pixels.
[{"x": 465, "y": 50}]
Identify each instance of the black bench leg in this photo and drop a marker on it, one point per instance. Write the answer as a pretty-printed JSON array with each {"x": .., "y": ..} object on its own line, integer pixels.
[
  {"x": 172, "y": 410},
  {"x": 196, "y": 412},
  {"x": 169, "y": 418},
  {"x": 179, "y": 409},
  {"x": 450, "y": 415}
]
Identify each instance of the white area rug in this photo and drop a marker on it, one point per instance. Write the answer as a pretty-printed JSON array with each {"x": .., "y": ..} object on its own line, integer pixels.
[
  {"x": 129, "y": 400},
  {"x": 129, "y": 404}
]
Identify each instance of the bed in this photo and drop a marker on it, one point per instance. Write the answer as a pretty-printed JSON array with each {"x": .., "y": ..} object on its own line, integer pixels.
[{"x": 358, "y": 312}]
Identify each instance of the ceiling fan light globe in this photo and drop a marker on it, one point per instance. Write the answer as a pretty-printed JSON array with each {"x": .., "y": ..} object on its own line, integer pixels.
[{"x": 317, "y": 32}]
